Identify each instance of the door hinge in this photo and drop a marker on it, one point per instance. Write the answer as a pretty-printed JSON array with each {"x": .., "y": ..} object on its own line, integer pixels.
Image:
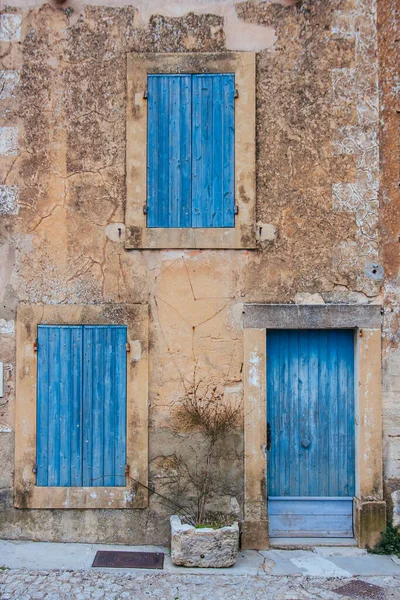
[
  {"x": 127, "y": 347},
  {"x": 145, "y": 209},
  {"x": 236, "y": 93},
  {"x": 236, "y": 209},
  {"x": 127, "y": 468},
  {"x": 35, "y": 346},
  {"x": 268, "y": 436},
  {"x": 34, "y": 469},
  {"x": 145, "y": 94}
]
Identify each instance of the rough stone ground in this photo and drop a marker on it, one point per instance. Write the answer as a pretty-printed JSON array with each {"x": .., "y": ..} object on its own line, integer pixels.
[{"x": 87, "y": 585}]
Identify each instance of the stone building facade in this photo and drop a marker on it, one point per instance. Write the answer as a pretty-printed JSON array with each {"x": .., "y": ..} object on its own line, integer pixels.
[{"x": 317, "y": 229}]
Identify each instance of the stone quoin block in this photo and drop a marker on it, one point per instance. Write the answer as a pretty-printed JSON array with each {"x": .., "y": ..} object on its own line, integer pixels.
[
  {"x": 8, "y": 199},
  {"x": 8, "y": 141},
  {"x": 10, "y": 28},
  {"x": 8, "y": 82}
]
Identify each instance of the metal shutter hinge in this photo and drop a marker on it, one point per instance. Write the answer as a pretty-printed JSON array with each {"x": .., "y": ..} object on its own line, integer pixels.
[
  {"x": 127, "y": 469},
  {"x": 128, "y": 347},
  {"x": 145, "y": 209},
  {"x": 236, "y": 93},
  {"x": 34, "y": 469},
  {"x": 236, "y": 209},
  {"x": 145, "y": 94},
  {"x": 35, "y": 346}
]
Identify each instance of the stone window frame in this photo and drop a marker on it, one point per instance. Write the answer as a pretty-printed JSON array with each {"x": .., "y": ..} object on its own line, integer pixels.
[
  {"x": 369, "y": 514},
  {"x": 26, "y": 493},
  {"x": 138, "y": 235}
]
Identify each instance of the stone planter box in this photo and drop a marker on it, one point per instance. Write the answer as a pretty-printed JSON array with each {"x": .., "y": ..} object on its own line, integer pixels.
[{"x": 191, "y": 547}]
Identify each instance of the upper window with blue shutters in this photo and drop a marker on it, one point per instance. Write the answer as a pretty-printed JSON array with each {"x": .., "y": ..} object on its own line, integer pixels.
[{"x": 191, "y": 150}]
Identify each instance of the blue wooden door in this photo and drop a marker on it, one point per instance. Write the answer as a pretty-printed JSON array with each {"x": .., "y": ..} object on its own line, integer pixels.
[
  {"x": 310, "y": 422},
  {"x": 81, "y": 405}
]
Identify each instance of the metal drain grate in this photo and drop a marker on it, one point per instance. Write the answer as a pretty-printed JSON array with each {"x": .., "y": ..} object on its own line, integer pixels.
[
  {"x": 361, "y": 589},
  {"x": 128, "y": 560}
]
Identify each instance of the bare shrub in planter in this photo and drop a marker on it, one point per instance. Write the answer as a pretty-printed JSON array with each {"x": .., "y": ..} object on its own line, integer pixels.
[
  {"x": 204, "y": 411},
  {"x": 202, "y": 538}
]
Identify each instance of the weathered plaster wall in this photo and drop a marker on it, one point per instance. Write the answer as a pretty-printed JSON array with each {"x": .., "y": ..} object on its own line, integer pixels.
[
  {"x": 389, "y": 30},
  {"x": 62, "y": 170}
]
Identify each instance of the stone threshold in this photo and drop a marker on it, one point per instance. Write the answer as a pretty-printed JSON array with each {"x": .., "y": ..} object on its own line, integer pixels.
[{"x": 309, "y": 543}]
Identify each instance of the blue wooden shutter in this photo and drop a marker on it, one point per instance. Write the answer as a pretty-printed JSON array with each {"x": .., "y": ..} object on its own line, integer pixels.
[
  {"x": 169, "y": 151},
  {"x": 213, "y": 158},
  {"x": 81, "y": 405},
  {"x": 58, "y": 421},
  {"x": 104, "y": 405}
]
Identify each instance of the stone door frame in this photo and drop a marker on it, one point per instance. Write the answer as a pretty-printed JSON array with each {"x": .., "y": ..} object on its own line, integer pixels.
[{"x": 369, "y": 508}]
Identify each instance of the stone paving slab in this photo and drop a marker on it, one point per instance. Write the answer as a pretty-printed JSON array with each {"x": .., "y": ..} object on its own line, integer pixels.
[
  {"x": 372, "y": 564},
  {"x": 331, "y": 562}
]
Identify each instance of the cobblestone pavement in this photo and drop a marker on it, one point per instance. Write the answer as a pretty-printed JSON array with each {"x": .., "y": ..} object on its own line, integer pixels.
[{"x": 20, "y": 584}]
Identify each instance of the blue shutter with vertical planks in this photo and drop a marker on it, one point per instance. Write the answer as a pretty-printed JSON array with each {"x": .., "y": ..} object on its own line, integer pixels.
[
  {"x": 169, "y": 151},
  {"x": 191, "y": 150},
  {"x": 81, "y": 405},
  {"x": 104, "y": 405},
  {"x": 58, "y": 420},
  {"x": 213, "y": 155}
]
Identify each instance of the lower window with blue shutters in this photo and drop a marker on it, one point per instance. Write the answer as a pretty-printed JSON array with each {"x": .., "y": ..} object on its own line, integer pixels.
[
  {"x": 81, "y": 405},
  {"x": 81, "y": 417}
]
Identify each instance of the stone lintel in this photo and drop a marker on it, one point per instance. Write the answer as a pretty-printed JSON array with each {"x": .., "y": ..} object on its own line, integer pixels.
[{"x": 312, "y": 316}]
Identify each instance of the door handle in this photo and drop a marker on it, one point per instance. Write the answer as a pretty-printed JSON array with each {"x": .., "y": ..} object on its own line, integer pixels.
[{"x": 268, "y": 436}]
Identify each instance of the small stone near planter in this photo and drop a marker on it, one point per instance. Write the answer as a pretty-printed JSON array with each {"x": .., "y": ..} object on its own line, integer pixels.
[{"x": 205, "y": 547}]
